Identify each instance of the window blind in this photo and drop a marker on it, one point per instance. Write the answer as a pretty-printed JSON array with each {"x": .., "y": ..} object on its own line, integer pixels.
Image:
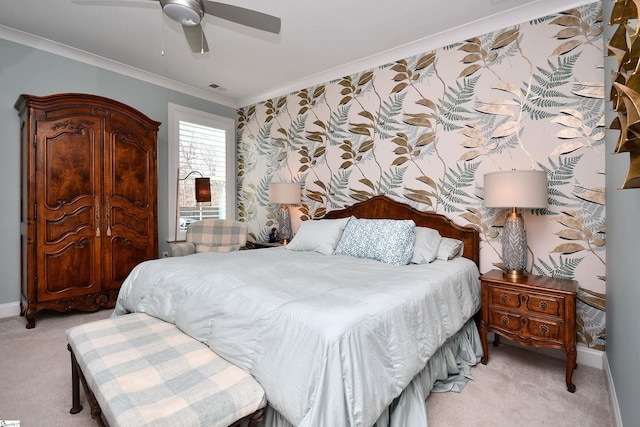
[{"x": 202, "y": 150}]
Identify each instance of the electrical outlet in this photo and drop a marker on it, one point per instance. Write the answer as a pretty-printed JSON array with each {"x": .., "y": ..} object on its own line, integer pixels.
[{"x": 165, "y": 254}]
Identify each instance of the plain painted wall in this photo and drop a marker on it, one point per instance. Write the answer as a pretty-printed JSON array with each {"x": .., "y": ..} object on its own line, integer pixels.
[
  {"x": 27, "y": 70},
  {"x": 623, "y": 269}
]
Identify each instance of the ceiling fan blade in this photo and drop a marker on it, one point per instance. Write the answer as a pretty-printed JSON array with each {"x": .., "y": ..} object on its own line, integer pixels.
[
  {"x": 241, "y": 15},
  {"x": 196, "y": 38},
  {"x": 117, "y": 3}
]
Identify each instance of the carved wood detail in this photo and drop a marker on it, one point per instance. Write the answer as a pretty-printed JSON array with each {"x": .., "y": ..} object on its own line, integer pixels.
[{"x": 77, "y": 172}]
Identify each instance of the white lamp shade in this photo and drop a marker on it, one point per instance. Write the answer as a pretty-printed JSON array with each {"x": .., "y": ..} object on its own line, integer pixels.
[
  {"x": 285, "y": 193},
  {"x": 516, "y": 188}
]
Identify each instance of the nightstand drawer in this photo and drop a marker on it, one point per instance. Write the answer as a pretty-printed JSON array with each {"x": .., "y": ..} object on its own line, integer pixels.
[
  {"x": 511, "y": 322},
  {"x": 547, "y": 330},
  {"x": 545, "y": 304},
  {"x": 526, "y": 327},
  {"x": 504, "y": 297},
  {"x": 529, "y": 301}
]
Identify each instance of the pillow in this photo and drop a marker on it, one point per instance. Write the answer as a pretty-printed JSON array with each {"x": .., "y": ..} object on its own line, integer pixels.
[
  {"x": 449, "y": 248},
  {"x": 426, "y": 246},
  {"x": 385, "y": 240},
  {"x": 320, "y": 235}
]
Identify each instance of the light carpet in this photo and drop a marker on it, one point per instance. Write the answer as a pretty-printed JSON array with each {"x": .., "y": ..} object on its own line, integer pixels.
[{"x": 517, "y": 388}]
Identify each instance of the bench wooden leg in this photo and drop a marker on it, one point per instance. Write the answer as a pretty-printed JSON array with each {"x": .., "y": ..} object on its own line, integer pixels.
[
  {"x": 253, "y": 419},
  {"x": 76, "y": 374},
  {"x": 256, "y": 417},
  {"x": 75, "y": 384}
]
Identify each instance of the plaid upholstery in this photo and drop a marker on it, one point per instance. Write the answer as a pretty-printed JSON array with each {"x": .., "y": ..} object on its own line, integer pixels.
[
  {"x": 182, "y": 249},
  {"x": 145, "y": 371},
  {"x": 206, "y": 248},
  {"x": 212, "y": 235}
]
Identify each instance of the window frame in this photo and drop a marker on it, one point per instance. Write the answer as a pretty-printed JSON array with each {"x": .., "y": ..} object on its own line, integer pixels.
[{"x": 176, "y": 113}]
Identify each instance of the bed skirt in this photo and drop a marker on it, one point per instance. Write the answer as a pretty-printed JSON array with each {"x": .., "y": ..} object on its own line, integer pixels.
[{"x": 447, "y": 370}]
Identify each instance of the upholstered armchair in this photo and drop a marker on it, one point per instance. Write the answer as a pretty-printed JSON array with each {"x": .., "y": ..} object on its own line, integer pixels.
[{"x": 212, "y": 235}]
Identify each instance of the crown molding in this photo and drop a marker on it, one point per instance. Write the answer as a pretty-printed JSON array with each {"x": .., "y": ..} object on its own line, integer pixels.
[
  {"x": 524, "y": 13},
  {"x": 55, "y": 48}
]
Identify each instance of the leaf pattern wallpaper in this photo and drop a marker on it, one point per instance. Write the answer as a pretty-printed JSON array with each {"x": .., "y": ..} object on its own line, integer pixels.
[{"x": 424, "y": 130}]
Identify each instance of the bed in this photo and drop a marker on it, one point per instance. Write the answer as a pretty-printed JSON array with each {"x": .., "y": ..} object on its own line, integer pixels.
[{"x": 334, "y": 338}]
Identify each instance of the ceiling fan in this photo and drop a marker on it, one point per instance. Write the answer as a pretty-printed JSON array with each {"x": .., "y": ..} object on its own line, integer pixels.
[{"x": 190, "y": 13}]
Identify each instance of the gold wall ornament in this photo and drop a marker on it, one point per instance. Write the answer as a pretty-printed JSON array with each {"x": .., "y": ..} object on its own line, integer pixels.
[
  {"x": 625, "y": 93},
  {"x": 633, "y": 176},
  {"x": 628, "y": 119}
]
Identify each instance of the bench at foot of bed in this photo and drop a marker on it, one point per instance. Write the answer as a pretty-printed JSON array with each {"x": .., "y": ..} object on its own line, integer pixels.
[{"x": 137, "y": 370}]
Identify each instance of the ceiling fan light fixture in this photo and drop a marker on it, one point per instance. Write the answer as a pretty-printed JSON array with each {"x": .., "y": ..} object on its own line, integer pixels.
[{"x": 185, "y": 12}]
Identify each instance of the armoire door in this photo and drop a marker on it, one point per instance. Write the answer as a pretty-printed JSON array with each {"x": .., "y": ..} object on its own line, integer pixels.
[
  {"x": 129, "y": 198},
  {"x": 67, "y": 211}
]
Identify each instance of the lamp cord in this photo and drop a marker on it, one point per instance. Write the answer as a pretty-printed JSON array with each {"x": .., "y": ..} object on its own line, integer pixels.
[{"x": 178, "y": 179}]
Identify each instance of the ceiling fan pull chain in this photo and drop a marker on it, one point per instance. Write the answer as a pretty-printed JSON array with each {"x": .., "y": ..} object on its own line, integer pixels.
[
  {"x": 162, "y": 31},
  {"x": 201, "y": 40}
]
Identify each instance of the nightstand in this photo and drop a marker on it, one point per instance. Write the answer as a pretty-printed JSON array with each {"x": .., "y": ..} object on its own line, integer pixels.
[
  {"x": 535, "y": 311},
  {"x": 262, "y": 245}
]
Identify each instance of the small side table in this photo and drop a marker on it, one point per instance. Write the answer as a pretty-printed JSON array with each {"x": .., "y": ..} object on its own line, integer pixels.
[
  {"x": 262, "y": 245},
  {"x": 534, "y": 311}
]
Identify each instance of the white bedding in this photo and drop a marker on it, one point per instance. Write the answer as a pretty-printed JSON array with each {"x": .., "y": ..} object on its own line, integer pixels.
[{"x": 332, "y": 339}]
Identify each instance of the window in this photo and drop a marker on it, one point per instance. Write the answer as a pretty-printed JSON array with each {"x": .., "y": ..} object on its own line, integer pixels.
[{"x": 200, "y": 145}]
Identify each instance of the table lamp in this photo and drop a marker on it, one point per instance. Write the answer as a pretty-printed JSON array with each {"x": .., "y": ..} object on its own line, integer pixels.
[
  {"x": 284, "y": 193},
  {"x": 525, "y": 189}
]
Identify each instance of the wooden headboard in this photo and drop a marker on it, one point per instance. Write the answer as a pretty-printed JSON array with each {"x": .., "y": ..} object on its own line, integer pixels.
[{"x": 381, "y": 207}]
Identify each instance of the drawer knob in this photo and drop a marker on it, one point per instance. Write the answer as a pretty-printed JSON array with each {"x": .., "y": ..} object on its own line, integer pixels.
[
  {"x": 544, "y": 305},
  {"x": 504, "y": 298},
  {"x": 504, "y": 319},
  {"x": 544, "y": 329}
]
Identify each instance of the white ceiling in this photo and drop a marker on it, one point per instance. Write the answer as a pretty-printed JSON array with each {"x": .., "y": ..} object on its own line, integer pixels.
[{"x": 319, "y": 40}]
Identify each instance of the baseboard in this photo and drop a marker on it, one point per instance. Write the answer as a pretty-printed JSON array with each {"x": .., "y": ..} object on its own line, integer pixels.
[
  {"x": 585, "y": 356},
  {"x": 613, "y": 397},
  {"x": 10, "y": 309},
  {"x": 590, "y": 357}
]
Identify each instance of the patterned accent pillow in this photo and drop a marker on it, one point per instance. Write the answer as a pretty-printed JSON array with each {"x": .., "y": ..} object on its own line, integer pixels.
[{"x": 385, "y": 240}]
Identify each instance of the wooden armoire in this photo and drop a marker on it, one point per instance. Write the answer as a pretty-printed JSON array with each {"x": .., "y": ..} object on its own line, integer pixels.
[{"x": 88, "y": 200}]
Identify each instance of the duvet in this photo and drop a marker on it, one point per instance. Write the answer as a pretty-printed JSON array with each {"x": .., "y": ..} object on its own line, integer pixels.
[{"x": 333, "y": 339}]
